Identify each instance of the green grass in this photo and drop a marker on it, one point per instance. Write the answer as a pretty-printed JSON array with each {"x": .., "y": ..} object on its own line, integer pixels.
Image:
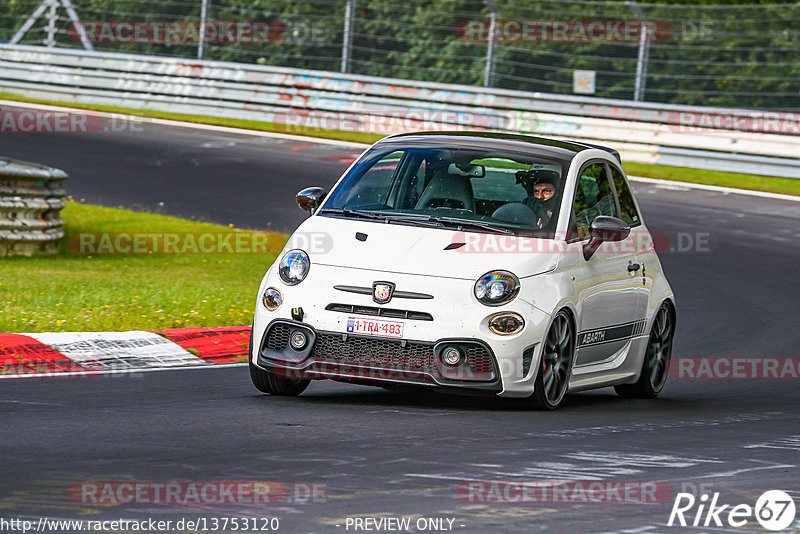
[
  {"x": 354, "y": 137},
  {"x": 74, "y": 292},
  {"x": 786, "y": 186}
]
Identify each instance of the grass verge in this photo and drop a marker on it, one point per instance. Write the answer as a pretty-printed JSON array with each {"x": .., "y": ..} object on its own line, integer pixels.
[
  {"x": 353, "y": 137},
  {"x": 770, "y": 184},
  {"x": 787, "y": 186},
  {"x": 75, "y": 291}
]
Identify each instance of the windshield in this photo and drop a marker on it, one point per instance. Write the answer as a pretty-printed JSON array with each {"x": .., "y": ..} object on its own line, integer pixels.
[{"x": 473, "y": 188}]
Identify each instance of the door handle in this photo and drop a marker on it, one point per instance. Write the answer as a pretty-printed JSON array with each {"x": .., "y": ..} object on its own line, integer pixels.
[{"x": 633, "y": 267}]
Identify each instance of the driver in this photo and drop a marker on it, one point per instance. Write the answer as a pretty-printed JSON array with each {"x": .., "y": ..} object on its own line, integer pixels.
[{"x": 541, "y": 186}]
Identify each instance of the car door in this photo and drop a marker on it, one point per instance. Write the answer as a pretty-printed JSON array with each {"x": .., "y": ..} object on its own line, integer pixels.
[
  {"x": 607, "y": 293},
  {"x": 643, "y": 242}
]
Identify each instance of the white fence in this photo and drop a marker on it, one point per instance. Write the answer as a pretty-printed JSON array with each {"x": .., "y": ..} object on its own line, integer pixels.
[{"x": 755, "y": 142}]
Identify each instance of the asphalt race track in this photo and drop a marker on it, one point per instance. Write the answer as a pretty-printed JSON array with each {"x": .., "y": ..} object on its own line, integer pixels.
[{"x": 380, "y": 454}]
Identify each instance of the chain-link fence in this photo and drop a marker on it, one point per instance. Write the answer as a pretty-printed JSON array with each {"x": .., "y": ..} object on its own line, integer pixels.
[{"x": 711, "y": 54}]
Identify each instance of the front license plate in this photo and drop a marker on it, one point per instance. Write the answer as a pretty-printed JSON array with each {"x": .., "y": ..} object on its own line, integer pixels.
[{"x": 374, "y": 327}]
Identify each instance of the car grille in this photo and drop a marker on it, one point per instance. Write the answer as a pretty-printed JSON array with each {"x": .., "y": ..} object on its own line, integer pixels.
[
  {"x": 380, "y": 312},
  {"x": 410, "y": 357},
  {"x": 416, "y": 359},
  {"x": 374, "y": 352},
  {"x": 278, "y": 337},
  {"x": 527, "y": 358},
  {"x": 478, "y": 359}
]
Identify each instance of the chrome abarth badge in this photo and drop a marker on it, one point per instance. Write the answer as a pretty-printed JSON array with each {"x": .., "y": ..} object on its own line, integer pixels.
[{"x": 382, "y": 292}]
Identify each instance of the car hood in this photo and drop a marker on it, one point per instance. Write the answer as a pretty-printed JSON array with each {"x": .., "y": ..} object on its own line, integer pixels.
[{"x": 400, "y": 248}]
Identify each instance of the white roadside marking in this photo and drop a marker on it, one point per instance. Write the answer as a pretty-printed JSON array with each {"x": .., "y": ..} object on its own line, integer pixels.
[
  {"x": 319, "y": 140},
  {"x": 183, "y": 124},
  {"x": 612, "y": 459},
  {"x": 649, "y": 528},
  {"x": 684, "y": 186},
  {"x": 737, "y": 472},
  {"x": 136, "y": 349},
  {"x": 791, "y": 443}
]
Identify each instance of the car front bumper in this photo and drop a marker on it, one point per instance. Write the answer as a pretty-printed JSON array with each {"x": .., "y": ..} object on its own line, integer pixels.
[{"x": 492, "y": 364}]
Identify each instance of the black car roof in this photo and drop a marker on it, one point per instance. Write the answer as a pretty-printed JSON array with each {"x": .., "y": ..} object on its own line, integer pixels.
[{"x": 505, "y": 140}]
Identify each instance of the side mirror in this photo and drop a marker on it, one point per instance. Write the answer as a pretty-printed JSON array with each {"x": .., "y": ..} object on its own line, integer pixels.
[
  {"x": 604, "y": 228},
  {"x": 310, "y": 198}
]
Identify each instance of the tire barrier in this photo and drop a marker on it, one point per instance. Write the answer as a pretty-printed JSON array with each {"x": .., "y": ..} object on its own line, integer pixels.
[{"x": 31, "y": 199}]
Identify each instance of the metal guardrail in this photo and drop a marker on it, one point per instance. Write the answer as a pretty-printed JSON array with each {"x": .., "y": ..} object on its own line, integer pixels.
[
  {"x": 31, "y": 198},
  {"x": 735, "y": 140}
]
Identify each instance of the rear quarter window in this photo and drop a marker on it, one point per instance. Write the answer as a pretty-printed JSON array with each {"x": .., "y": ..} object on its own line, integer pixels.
[
  {"x": 627, "y": 206},
  {"x": 593, "y": 197}
]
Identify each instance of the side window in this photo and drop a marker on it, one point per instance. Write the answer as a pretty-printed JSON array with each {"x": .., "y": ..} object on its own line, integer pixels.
[
  {"x": 627, "y": 207},
  {"x": 593, "y": 197}
]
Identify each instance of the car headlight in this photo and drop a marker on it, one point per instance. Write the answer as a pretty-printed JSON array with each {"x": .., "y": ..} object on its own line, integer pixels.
[
  {"x": 496, "y": 288},
  {"x": 294, "y": 266},
  {"x": 272, "y": 299}
]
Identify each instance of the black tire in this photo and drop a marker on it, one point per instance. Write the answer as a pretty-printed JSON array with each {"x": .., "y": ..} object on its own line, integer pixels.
[
  {"x": 267, "y": 382},
  {"x": 558, "y": 355},
  {"x": 655, "y": 366}
]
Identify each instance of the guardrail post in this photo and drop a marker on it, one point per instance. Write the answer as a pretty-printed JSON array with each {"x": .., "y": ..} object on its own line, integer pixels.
[
  {"x": 347, "y": 38},
  {"x": 31, "y": 198}
]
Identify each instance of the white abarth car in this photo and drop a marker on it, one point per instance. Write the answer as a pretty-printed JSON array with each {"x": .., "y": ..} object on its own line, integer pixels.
[{"x": 478, "y": 263}]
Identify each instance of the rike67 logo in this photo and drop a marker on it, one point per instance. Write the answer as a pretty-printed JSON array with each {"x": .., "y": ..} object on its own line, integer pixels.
[{"x": 774, "y": 510}]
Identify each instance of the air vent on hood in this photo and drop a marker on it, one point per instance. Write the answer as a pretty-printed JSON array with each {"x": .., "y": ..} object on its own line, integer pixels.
[{"x": 381, "y": 312}]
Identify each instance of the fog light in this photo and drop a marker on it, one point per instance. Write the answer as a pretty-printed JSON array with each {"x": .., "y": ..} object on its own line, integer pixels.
[
  {"x": 451, "y": 356},
  {"x": 505, "y": 324},
  {"x": 298, "y": 340},
  {"x": 272, "y": 299}
]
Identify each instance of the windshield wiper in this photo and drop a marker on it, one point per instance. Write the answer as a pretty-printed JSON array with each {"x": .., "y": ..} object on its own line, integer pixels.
[
  {"x": 426, "y": 220},
  {"x": 472, "y": 224},
  {"x": 447, "y": 221},
  {"x": 423, "y": 220},
  {"x": 351, "y": 213}
]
